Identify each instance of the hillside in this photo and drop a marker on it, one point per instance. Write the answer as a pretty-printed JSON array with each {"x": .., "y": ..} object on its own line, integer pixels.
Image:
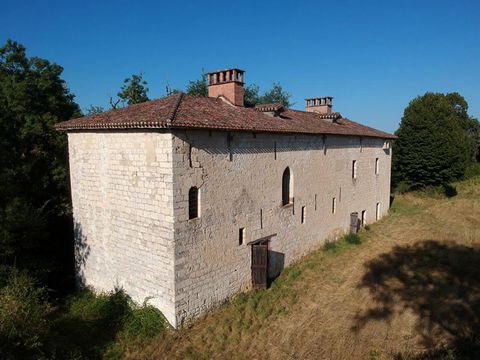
[{"x": 410, "y": 289}]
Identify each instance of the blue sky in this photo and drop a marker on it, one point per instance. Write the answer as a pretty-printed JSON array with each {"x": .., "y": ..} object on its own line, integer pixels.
[{"x": 373, "y": 57}]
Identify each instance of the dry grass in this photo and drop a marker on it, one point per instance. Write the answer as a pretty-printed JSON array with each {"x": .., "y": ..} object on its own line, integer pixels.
[{"x": 411, "y": 288}]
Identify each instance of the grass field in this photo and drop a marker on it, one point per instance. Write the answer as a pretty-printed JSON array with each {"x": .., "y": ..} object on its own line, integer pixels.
[{"x": 409, "y": 290}]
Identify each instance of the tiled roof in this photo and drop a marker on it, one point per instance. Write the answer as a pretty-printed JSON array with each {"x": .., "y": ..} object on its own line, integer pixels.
[{"x": 195, "y": 112}]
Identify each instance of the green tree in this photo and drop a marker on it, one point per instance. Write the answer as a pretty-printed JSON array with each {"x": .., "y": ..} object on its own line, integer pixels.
[
  {"x": 433, "y": 147},
  {"x": 134, "y": 90},
  {"x": 198, "y": 87},
  {"x": 93, "y": 109},
  {"x": 251, "y": 95},
  {"x": 276, "y": 95},
  {"x": 34, "y": 194}
]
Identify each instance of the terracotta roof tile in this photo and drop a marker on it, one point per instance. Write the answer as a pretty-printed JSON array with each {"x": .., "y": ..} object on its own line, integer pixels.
[{"x": 195, "y": 112}]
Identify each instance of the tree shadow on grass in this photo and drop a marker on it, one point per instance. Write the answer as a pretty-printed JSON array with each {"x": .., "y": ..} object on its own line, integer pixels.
[{"x": 437, "y": 281}]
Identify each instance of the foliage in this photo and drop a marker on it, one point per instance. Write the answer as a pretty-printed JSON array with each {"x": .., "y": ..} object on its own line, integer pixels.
[
  {"x": 352, "y": 238},
  {"x": 472, "y": 171},
  {"x": 252, "y": 95},
  {"x": 198, "y": 87},
  {"x": 276, "y": 95},
  {"x": 144, "y": 321},
  {"x": 90, "y": 324},
  {"x": 34, "y": 196},
  {"x": 23, "y": 318},
  {"x": 433, "y": 147},
  {"x": 134, "y": 90},
  {"x": 92, "y": 110}
]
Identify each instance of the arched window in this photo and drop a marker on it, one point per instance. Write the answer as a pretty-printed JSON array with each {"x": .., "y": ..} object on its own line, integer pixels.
[
  {"x": 193, "y": 202},
  {"x": 287, "y": 190}
]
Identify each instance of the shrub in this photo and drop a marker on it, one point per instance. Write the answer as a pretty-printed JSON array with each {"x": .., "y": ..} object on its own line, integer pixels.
[
  {"x": 352, "y": 238},
  {"x": 23, "y": 318},
  {"x": 145, "y": 321},
  {"x": 472, "y": 171}
]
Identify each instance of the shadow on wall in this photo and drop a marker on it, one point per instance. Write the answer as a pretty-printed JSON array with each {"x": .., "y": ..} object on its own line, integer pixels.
[
  {"x": 81, "y": 252},
  {"x": 236, "y": 144},
  {"x": 440, "y": 283},
  {"x": 276, "y": 264}
]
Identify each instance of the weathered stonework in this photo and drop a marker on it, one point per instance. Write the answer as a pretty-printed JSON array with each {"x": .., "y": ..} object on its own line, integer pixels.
[
  {"x": 130, "y": 199},
  {"x": 122, "y": 195}
]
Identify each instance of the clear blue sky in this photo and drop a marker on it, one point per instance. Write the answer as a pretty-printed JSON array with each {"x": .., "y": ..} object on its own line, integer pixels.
[{"x": 373, "y": 57}]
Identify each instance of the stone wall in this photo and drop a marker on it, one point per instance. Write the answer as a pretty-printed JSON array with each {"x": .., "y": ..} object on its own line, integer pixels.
[
  {"x": 122, "y": 194},
  {"x": 239, "y": 177},
  {"x": 130, "y": 202}
]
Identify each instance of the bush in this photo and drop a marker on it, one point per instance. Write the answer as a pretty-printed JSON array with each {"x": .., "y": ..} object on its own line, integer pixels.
[
  {"x": 23, "y": 318},
  {"x": 145, "y": 321},
  {"x": 472, "y": 171},
  {"x": 352, "y": 239}
]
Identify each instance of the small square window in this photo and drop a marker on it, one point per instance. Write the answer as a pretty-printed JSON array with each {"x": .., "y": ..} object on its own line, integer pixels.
[{"x": 241, "y": 236}]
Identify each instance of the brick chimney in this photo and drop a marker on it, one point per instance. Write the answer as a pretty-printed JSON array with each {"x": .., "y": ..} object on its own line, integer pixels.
[
  {"x": 227, "y": 83},
  {"x": 322, "y": 105}
]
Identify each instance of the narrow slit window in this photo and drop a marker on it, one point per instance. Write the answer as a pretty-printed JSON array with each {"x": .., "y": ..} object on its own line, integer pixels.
[
  {"x": 377, "y": 211},
  {"x": 334, "y": 205},
  {"x": 241, "y": 236},
  {"x": 354, "y": 169},
  {"x": 315, "y": 203},
  {"x": 377, "y": 166},
  {"x": 303, "y": 214},
  {"x": 286, "y": 187},
  {"x": 364, "y": 217},
  {"x": 193, "y": 203}
]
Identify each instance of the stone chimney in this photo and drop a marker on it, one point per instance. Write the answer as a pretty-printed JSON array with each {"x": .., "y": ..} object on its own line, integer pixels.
[
  {"x": 322, "y": 105},
  {"x": 227, "y": 83}
]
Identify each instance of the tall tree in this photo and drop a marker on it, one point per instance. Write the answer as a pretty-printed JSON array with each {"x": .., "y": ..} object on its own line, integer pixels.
[
  {"x": 276, "y": 95},
  {"x": 134, "y": 90},
  {"x": 433, "y": 147},
  {"x": 34, "y": 195},
  {"x": 198, "y": 87},
  {"x": 93, "y": 109}
]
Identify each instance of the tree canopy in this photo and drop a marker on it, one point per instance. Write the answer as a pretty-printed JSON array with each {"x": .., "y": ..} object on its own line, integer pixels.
[
  {"x": 252, "y": 94},
  {"x": 134, "y": 90},
  {"x": 198, "y": 87},
  {"x": 34, "y": 195},
  {"x": 437, "y": 141}
]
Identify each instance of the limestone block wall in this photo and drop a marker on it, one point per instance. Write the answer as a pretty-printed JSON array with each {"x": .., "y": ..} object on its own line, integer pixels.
[
  {"x": 122, "y": 195},
  {"x": 239, "y": 176}
]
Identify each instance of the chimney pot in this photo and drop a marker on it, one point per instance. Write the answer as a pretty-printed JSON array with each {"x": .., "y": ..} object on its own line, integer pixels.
[
  {"x": 322, "y": 105},
  {"x": 227, "y": 83}
]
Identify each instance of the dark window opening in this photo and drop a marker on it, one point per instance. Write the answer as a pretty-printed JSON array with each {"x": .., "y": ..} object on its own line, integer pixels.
[
  {"x": 286, "y": 187},
  {"x": 193, "y": 203},
  {"x": 241, "y": 236}
]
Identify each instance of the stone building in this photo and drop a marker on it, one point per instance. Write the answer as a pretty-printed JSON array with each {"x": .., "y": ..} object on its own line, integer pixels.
[{"x": 186, "y": 200}]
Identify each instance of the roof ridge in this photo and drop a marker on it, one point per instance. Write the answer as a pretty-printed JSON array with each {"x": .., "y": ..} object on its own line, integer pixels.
[{"x": 173, "y": 111}]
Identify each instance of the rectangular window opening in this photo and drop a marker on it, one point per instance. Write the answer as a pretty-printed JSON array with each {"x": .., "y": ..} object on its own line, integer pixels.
[
  {"x": 377, "y": 212},
  {"x": 315, "y": 207},
  {"x": 334, "y": 205},
  {"x": 354, "y": 169},
  {"x": 241, "y": 236},
  {"x": 303, "y": 214},
  {"x": 364, "y": 217},
  {"x": 376, "y": 166}
]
